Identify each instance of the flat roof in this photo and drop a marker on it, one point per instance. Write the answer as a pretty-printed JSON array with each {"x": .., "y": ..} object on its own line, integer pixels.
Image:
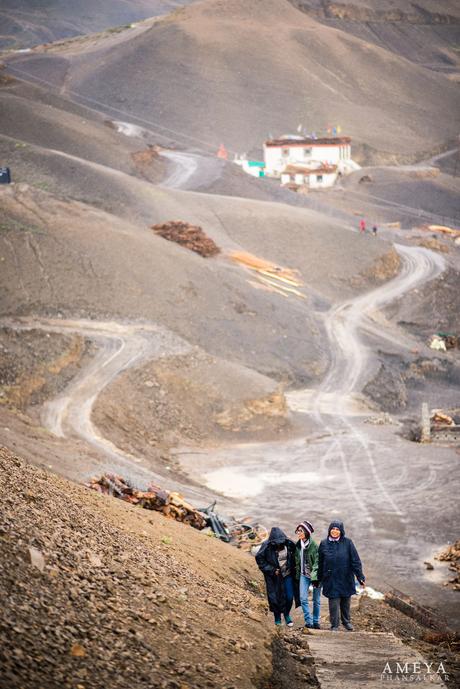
[{"x": 289, "y": 143}]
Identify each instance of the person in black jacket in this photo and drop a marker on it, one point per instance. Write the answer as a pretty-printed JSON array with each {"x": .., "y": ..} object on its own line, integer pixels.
[
  {"x": 338, "y": 566},
  {"x": 276, "y": 560}
]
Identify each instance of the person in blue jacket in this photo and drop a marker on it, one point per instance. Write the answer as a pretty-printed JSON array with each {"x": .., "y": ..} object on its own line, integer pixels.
[
  {"x": 338, "y": 565},
  {"x": 276, "y": 560}
]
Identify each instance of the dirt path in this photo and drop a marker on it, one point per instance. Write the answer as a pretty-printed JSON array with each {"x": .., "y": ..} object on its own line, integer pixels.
[
  {"x": 335, "y": 406},
  {"x": 367, "y": 660},
  {"x": 348, "y": 468},
  {"x": 120, "y": 346}
]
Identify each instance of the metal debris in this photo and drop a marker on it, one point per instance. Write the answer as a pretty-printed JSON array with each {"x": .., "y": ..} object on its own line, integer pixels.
[{"x": 241, "y": 533}]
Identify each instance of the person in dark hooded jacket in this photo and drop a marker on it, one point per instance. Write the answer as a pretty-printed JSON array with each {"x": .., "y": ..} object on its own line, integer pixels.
[
  {"x": 276, "y": 560},
  {"x": 338, "y": 565}
]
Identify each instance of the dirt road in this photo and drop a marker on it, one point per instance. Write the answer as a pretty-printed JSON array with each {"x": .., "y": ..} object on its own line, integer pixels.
[
  {"x": 190, "y": 170},
  {"x": 367, "y": 475},
  {"x": 379, "y": 483},
  {"x": 119, "y": 346}
]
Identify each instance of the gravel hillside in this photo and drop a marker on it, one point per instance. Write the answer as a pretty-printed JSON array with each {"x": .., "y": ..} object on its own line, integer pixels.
[{"x": 96, "y": 593}]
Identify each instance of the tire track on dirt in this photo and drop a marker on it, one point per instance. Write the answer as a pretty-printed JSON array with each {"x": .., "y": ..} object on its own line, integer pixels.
[
  {"x": 350, "y": 357},
  {"x": 120, "y": 346}
]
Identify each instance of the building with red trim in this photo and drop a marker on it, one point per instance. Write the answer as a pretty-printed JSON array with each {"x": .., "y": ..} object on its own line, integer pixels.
[{"x": 308, "y": 153}]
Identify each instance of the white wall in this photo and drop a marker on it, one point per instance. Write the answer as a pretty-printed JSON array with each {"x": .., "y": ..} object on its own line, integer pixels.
[
  {"x": 275, "y": 161},
  {"x": 328, "y": 180}
]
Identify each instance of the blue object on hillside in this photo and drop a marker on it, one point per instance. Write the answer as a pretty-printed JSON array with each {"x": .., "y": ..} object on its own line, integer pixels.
[{"x": 5, "y": 175}]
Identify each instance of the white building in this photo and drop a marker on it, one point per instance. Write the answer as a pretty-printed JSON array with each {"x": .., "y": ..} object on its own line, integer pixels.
[
  {"x": 308, "y": 153},
  {"x": 319, "y": 177}
]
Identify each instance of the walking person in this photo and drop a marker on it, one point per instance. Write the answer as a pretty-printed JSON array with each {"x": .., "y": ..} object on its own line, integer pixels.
[
  {"x": 276, "y": 560},
  {"x": 374, "y": 230},
  {"x": 338, "y": 566},
  {"x": 306, "y": 566},
  {"x": 362, "y": 226}
]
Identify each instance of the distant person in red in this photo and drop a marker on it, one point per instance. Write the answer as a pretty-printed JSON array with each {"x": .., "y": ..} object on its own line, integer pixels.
[{"x": 362, "y": 225}]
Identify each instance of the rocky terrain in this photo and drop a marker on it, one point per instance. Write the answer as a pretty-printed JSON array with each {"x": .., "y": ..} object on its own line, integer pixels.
[
  {"x": 96, "y": 592},
  {"x": 168, "y": 318}
]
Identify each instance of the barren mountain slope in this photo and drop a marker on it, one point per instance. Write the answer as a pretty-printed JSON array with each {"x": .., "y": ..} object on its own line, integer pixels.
[
  {"x": 28, "y": 121},
  {"x": 27, "y": 23},
  {"x": 117, "y": 596},
  {"x": 426, "y": 32},
  {"x": 234, "y": 72}
]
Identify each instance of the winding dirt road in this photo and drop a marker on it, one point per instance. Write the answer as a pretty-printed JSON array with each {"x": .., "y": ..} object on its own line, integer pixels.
[
  {"x": 119, "y": 347},
  {"x": 344, "y": 467},
  {"x": 373, "y": 479},
  {"x": 336, "y": 409}
]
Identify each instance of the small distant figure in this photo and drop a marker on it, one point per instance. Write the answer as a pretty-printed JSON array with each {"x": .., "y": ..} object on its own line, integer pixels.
[
  {"x": 374, "y": 230},
  {"x": 222, "y": 152},
  {"x": 362, "y": 225},
  {"x": 5, "y": 175}
]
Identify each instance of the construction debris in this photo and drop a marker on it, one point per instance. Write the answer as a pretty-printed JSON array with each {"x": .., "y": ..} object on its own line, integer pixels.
[
  {"x": 438, "y": 425},
  {"x": 274, "y": 278},
  {"x": 442, "y": 229},
  {"x": 452, "y": 554},
  {"x": 238, "y": 532},
  {"x": 452, "y": 341},
  {"x": 265, "y": 267},
  {"x": 439, "y": 418},
  {"x": 170, "y": 504},
  {"x": 241, "y": 533},
  {"x": 189, "y": 236},
  {"x": 438, "y": 344}
]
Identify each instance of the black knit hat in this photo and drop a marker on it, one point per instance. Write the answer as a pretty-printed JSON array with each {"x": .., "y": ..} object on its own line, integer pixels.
[{"x": 306, "y": 527}]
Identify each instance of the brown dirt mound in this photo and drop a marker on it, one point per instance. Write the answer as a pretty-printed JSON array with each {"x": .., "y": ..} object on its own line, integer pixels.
[
  {"x": 190, "y": 236},
  {"x": 148, "y": 163}
]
